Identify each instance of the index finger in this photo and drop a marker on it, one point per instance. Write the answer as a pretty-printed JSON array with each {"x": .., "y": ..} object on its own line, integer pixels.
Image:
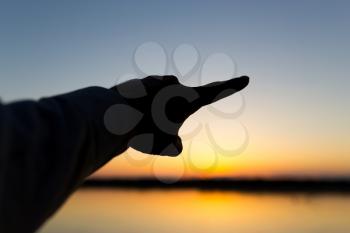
[{"x": 215, "y": 91}]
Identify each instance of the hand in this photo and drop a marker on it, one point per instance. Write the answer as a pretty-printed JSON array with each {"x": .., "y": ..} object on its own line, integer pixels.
[{"x": 162, "y": 104}]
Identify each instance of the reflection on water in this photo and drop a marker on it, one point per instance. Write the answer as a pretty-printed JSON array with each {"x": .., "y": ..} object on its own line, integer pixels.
[{"x": 115, "y": 210}]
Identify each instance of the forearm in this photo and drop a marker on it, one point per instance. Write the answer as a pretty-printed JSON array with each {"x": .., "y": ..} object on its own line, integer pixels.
[{"x": 47, "y": 148}]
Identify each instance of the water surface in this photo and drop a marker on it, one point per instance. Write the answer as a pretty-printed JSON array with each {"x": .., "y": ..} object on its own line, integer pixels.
[{"x": 159, "y": 211}]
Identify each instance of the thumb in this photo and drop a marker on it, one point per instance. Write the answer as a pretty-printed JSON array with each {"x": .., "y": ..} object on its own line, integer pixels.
[
  {"x": 157, "y": 144},
  {"x": 173, "y": 146},
  {"x": 215, "y": 91}
]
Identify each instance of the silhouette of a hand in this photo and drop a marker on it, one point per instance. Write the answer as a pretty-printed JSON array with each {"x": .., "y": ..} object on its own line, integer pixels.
[{"x": 162, "y": 105}]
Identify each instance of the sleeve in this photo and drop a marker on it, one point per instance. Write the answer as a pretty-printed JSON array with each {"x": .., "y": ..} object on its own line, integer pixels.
[{"x": 47, "y": 149}]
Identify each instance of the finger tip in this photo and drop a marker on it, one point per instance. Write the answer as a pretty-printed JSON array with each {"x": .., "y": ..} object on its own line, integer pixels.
[
  {"x": 238, "y": 83},
  {"x": 245, "y": 78},
  {"x": 243, "y": 81}
]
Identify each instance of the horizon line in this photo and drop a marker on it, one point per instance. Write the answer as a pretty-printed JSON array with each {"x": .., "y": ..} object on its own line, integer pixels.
[{"x": 309, "y": 186}]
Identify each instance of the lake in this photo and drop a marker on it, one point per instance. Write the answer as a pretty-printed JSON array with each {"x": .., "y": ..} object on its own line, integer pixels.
[{"x": 158, "y": 211}]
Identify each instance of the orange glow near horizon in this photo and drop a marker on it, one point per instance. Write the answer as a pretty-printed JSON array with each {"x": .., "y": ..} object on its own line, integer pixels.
[
  {"x": 243, "y": 165},
  {"x": 279, "y": 150}
]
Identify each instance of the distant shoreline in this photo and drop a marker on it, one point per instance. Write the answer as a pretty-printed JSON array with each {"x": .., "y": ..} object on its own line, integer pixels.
[{"x": 341, "y": 186}]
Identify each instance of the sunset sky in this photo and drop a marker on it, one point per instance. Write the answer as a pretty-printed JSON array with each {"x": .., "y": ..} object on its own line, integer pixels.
[{"x": 297, "y": 53}]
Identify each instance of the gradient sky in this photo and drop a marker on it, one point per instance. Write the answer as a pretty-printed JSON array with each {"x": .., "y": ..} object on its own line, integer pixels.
[{"x": 296, "y": 52}]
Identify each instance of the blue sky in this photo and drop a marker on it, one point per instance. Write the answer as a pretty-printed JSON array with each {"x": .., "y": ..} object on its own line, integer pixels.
[
  {"x": 55, "y": 46},
  {"x": 297, "y": 53}
]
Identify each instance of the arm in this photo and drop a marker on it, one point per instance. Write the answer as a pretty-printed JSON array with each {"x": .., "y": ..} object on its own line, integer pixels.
[{"x": 47, "y": 148}]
